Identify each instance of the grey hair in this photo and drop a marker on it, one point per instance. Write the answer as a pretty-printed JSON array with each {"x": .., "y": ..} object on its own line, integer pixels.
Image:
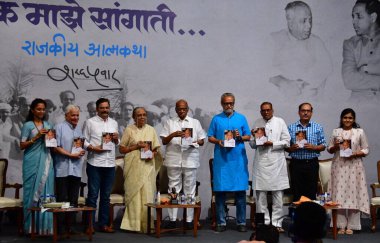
[
  {"x": 135, "y": 110},
  {"x": 227, "y": 95},
  {"x": 71, "y": 107},
  {"x": 292, "y": 6}
]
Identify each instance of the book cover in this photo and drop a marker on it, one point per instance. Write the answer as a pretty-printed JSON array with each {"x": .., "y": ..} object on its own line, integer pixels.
[
  {"x": 107, "y": 141},
  {"x": 78, "y": 145},
  {"x": 229, "y": 138},
  {"x": 146, "y": 152},
  {"x": 301, "y": 138},
  {"x": 260, "y": 136},
  {"x": 187, "y": 139},
  {"x": 345, "y": 148},
  {"x": 50, "y": 139}
]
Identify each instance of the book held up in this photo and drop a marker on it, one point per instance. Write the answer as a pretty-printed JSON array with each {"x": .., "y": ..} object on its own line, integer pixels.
[
  {"x": 229, "y": 139},
  {"x": 345, "y": 148},
  {"x": 260, "y": 136},
  {"x": 187, "y": 139},
  {"x": 107, "y": 141},
  {"x": 50, "y": 139},
  {"x": 146, "y": 151},
  {"x": 78, "y": 145},
  {"x": 301, "y": 138}
]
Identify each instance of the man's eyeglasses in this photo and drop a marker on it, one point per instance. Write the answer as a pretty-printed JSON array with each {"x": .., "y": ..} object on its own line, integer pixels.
[
  {"x": 267, "y": 110},
  {"x": 305, "y": 111},
  {"x": 228, "y": 103}
]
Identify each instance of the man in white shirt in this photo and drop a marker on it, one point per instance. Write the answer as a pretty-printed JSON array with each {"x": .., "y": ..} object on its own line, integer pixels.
[
  {"x": 182, "y": 161},
  {"x": 100, "y": 163},
  {"x": 269, "y": 165}
]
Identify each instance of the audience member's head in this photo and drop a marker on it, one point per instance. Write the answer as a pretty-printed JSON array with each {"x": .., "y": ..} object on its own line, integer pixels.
[
  {"x": 309, "y": 222},
  {"x": 265, "y": 233}
]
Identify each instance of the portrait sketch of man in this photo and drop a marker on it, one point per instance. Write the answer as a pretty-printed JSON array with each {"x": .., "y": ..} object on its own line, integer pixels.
[{"x": 301, "y": 60}]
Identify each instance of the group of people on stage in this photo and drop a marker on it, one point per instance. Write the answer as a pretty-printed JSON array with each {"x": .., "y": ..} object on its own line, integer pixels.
[
  {"x": 348, "y": 183},
  {"x": 59, "y": 173}
]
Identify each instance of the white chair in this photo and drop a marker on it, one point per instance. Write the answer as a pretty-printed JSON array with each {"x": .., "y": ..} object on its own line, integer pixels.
[{"x": 324, "y": 175}]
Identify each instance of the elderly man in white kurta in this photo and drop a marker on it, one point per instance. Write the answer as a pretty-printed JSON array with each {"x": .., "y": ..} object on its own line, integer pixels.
[
  {"x": 181, "y": 160},
  {"x": 269, "y": 165}
]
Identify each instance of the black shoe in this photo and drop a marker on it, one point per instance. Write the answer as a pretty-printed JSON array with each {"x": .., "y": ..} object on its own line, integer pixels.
[
  {"x": 221, "y": 228},
  {"x": 241, "y": 228},
  {"x": 189, "y": 225},
  {"x": 171, "y": 225}
]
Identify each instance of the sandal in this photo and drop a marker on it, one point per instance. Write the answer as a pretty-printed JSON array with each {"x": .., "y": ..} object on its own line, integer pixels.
[
  {"x": 280, "y": 230},
  {"x": 341, "y": 232},
  {"x": 349, "y": 232}
]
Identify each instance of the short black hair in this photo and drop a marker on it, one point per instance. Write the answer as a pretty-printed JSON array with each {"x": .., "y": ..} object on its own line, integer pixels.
[
  {"x": 309, "y": 221},
  {"x": 371, "y": 6},
  {"x": 266, "y": 103},
  {"x": 267, "y": 233},
  {"x": 102, "y": 100},
  {"x": 305, "y": 103}
]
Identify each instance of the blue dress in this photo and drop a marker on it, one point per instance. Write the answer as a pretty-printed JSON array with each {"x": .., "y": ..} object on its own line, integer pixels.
[
  {"x": 38, "y": 177},
  {"x": 230, "y": 167}
]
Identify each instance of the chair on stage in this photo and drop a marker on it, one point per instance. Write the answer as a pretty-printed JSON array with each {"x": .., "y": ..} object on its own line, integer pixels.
[
  {"x": 10, "y": 203},
  {"x": 117, "y": 192},
  {"x": 375, "y": 200},
  {"x": 324, "y": 175},
  {"x": 230, "y": 200}
]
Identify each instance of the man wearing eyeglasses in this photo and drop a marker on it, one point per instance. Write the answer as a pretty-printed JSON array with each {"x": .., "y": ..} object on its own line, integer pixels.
[
  {"x": 304, "y": 165},
  {"x": 230, "y": 166},
  {"x": 269, "y": 165}
]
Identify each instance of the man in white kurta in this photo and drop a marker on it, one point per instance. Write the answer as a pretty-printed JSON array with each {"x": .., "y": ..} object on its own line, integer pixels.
[
  {"x": 269, "y": 165},
  {"x": 181, "y": 160}
]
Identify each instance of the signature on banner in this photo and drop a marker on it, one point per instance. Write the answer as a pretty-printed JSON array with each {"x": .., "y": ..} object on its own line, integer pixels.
[{"x": 66, "y": 73}]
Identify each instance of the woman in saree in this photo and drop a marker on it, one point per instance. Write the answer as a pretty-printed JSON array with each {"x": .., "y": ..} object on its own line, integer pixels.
[
  {"x": 37, "y": 167},
  {"x": 139, "y": 174}
]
